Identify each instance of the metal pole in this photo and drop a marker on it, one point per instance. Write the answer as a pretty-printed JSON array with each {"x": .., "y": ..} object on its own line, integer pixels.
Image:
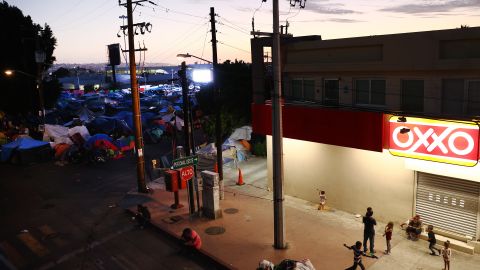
[
  {"x": 41, "y": 111},
  {"x": 136, "y": 103},
  {"x": 216, "y": 97},
  {"x": 277, "y": 134},
  {"x": 186, "y": 125}
]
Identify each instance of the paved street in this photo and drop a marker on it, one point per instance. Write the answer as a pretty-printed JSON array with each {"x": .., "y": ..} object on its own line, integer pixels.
[{"x": 68, "y": 215}]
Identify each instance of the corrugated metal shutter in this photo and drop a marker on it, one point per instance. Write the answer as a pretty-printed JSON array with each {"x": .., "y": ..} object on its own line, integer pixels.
[{"x": 448, "y": 203}]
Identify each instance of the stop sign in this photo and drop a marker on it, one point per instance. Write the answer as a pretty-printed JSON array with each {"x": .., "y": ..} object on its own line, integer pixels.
[{"x": 186, "y": 173}]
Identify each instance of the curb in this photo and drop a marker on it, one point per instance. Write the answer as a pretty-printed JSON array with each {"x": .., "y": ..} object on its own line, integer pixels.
[{"x": 202, "y": 253}]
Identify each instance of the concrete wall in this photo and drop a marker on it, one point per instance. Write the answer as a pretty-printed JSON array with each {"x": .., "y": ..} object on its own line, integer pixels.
[{"x": 353, "y": 179}]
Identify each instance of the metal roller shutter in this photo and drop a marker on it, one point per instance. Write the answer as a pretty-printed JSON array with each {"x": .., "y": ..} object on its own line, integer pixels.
[{"x": 448, "y": 203}]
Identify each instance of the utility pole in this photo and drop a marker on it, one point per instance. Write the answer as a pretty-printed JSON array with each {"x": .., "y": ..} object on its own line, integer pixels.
[
  {"x": 217, "y": 100},
  {"x": 277, "y": 134},
  {"x": 135, "y": 98},
  {"x": 186, "y": 125}
]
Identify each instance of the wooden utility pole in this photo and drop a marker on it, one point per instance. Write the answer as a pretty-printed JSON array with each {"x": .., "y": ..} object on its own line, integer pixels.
[
  {"x": 277, "y": 137},
  {"x": 217, "y": 101},
  {"x": 137, "y": 117}
]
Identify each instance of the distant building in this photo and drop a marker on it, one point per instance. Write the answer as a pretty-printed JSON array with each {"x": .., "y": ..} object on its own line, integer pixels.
[{"x": 361, "y": 120}]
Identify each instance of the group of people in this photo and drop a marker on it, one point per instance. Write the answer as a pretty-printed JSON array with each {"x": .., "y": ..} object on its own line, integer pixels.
[{"x": 413, "y": 230}]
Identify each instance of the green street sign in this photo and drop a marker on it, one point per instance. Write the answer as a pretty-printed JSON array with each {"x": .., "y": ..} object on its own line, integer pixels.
[{"x": 184, "y": 162}]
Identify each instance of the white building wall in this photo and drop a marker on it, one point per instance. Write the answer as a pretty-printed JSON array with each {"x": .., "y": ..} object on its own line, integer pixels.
[{"x": 353, "y": 179}]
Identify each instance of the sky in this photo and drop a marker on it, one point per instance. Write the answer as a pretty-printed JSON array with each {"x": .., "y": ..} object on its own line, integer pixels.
[{"x": 84, "y": 28}]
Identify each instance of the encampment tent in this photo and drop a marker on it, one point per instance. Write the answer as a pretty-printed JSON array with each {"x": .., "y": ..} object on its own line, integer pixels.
[{"x": 25, "y": 151}]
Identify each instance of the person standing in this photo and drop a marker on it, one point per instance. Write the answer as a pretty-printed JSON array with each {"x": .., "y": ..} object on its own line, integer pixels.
[
  {"x": 369, "y": 230},
  {"x": 323, "y": 200},
  {"x": 432, "y": 241},
  {"x": 388, "y": 236},
  {"x": 447, "y": 255}
]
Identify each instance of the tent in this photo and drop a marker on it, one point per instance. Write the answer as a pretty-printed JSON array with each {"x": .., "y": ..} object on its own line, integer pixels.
[
  {"x": 109, "y": 125},
  {"x": 25, "y": 151}
]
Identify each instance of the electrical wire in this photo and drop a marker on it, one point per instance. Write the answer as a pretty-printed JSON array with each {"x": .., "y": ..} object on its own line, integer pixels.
[
  {"x": 234, "y": 24},
  {"x": 73, "y": 23},
  {"x": 204, "y": 42},
  {"x": 231, "y": 46},
  {"x": 241, "y": 31},
  {"x": 179, "y": 12}
]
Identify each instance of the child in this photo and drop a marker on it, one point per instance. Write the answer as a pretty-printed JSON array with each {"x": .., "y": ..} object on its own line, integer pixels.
[
  {"x": 323, "y": 200},
  {"x": 447, "y": 255},
  {"x": 357, "y": 255},
  {"x": 388, "y": 236},
  {"x": 432, "y": 241}
]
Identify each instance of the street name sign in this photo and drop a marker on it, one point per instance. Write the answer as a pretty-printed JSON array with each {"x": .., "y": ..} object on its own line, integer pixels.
[{"x": 184, "y": 162}]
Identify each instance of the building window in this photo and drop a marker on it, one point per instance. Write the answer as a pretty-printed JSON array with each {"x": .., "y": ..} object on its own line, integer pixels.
[
  {"x": 370, "y": 91},
  {"x": 412, "y": 95},
  {"x": 473, "y": 88},
  {"x": 303, "y": 89},
  {"x": 453, "y": 91}
]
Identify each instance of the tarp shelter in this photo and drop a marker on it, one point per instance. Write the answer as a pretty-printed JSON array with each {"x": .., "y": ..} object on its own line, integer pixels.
[
  {"x": 109, "y": 125},
  {"x": 242, "y": 133},
  {"x": 25, "y": 151},
  {"x": 85, "y": 114},
  {"x": 57, "y": 133}
]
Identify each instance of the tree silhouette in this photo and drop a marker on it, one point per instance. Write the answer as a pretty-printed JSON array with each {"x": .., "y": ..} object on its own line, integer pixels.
[{"x": 21, "y": 37}]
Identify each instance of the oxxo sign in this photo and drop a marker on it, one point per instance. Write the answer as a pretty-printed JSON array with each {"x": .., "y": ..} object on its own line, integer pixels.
[{"x": 435, "y": 140}]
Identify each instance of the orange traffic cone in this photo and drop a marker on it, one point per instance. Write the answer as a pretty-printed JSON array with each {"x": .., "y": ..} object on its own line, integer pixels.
[
  {"x": 240, "y": 178},
  {"x": 215, "y": 167}
]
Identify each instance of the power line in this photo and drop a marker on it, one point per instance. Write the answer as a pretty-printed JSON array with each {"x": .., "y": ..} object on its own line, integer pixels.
[
  {"x": 179, "y": 12},
  {"x": 231, "y": 46},
  {"x": 236, "y": 29}
]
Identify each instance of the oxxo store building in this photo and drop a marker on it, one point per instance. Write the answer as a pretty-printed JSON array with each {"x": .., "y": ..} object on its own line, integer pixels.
[{"x": 398, "y": 165}]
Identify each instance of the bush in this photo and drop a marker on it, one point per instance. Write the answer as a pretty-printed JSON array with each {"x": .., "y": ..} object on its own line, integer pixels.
[{"x": 260, "y": 149}]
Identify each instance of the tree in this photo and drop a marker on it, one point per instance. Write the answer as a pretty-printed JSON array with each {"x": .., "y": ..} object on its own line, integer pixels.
[
  {"x": 235, "y": 83},
  {"x": 18, "y": 53}
]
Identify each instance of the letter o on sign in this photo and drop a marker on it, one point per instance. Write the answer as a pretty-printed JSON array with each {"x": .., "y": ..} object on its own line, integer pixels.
[
  {"x": 466, "y": 136},
  {"x": 398, "y": 142}
]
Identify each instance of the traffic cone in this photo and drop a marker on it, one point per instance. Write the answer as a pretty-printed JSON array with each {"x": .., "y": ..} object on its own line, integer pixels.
[
  {"x": 240, "y": 178},
  {"x": 215, "y": 167}
]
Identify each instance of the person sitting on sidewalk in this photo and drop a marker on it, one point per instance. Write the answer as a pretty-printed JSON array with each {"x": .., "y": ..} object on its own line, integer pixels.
[
  {"x": 191, "y": 239},
  {"x": 142, "y": 216},
  {"x": 414, "y": 228}
]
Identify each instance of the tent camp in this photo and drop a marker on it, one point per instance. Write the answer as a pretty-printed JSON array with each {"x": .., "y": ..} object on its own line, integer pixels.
[{"x": 25, "y": 151}]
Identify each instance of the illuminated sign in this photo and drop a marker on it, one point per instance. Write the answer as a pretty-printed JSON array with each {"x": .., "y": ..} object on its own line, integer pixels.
[{"x": 434, "y": 140}]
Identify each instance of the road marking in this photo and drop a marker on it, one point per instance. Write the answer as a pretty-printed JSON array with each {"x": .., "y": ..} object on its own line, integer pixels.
[
  {"x": 79, "y": 251},
  {"x": 12, "y": 254},
  {"x": 33, "y": 244}
]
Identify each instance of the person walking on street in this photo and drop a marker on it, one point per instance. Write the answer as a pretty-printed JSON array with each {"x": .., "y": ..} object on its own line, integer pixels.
[
  {"x": 447, "y": 255},
  {"x": 369, "y": 230},
  {"x": 432, "y": 241},
  {"x": 388, "y": 236}
]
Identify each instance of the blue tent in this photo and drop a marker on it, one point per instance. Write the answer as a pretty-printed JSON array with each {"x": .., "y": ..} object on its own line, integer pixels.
[
  {"x": 110, "y": 126},
  {"x": 26, "y": 150}
]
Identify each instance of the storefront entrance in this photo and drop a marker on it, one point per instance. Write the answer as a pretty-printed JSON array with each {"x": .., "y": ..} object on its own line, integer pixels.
[{"x": 448, "y": 203}]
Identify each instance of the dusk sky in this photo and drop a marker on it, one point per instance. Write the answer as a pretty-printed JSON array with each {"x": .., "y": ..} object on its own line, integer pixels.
[{"x": 83, "y": 28}]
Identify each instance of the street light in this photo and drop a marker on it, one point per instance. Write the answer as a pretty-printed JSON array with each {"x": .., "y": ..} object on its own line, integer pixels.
[
  {"x": 209, "y": 76},
  {"x": 187, "y": 55},
  {"x": 11, "y": 72}
]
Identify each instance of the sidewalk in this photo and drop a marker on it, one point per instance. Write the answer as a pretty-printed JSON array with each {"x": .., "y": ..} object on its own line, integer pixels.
[{"x": 317, "y": 235}]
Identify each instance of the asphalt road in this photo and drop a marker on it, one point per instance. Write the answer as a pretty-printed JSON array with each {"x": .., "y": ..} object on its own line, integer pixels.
[{"x": 66, "y": 217}]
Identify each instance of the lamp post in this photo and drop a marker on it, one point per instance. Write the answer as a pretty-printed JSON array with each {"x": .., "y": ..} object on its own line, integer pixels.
[
  {"x": 40, "y": 56},
  {"x": 38, "y": 80},
  {"x": 187, "y": 55},
  {"x": 218, "y": 124}
]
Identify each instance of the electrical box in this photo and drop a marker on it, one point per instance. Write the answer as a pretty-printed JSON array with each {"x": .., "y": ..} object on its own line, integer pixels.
[{"x": 171, "y": 180}]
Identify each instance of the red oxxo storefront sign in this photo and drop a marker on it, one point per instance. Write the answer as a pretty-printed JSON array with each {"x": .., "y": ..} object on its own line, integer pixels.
[{"x": 434, "y": 140}]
